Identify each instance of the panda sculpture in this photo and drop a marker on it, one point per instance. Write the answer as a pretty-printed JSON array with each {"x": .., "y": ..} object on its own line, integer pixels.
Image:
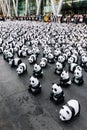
[
  {"x": 21, "y": 68},
  {"x": 22, "y": 53},
  {"x": 50, "y": 58},
  {"x": 32, "y": 59},
  {"x": 57, "y": 52},
  {"x": 43, "y": 62},
  {"x": 69, "y": 110},
  {"x": 15, "y": 62},
  {"x": 7, "y": 55},
  {"x": 83, "y": 62},
  {"x": 57, "y": 94},
  {"x": 59, "y": 68},
  {"x": 37, "y": 72},
  {"x": 62, "y": 59},
  {"x": 74, "y": 66},
  {"x": 78, "y": 77},
  {"x": 72, "y": 59},
  {"x": 34, "y": 86},
  {"x": 65, "y": 80}
]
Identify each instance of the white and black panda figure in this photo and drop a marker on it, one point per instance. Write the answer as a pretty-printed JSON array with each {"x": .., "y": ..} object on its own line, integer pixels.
[
  {"x": 69, "y": 110},
  {"x": 50, "y": 58},
  {"x": 57, "y": 52},
  {"x": 37, "y": 72},
  {"x": 65, "y": 80},
  {"x": 62, "y": 59},
  {"x": 83, "y": 61},
  {"x": 73, "y": 59},
  {"x": 57, "y": 94},
  {"x": 72, "y": 67},
  {"x": 34, "y": 86},
  {"x": 15, "y": 62},
  {"x": 43, "y": 62},
  {"x": 22, "y": 67},
  {"x": 22, "y": 53},
  {"x": 59, "y": 68},
  {"x": 78, "y": 77},
  {"x": 7, "y": 55},
  {"x": 32, "y": 59}
]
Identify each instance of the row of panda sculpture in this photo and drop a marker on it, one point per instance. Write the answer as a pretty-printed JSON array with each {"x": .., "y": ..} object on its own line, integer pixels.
[{"x": 59, "y": 44}]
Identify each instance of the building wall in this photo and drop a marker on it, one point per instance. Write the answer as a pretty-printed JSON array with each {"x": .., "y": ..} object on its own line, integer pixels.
[{"x": 69, "y": 7}]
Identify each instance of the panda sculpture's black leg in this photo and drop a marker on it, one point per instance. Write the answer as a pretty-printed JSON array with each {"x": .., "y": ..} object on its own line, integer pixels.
[{"x": 51, "y": 96}]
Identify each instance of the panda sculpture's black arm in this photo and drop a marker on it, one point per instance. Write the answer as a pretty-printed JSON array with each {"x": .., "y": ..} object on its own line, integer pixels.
[
  {"x": 37, "y": 88},
  {"x": 59, "y": 97},
  {"x": 64, "y": 82},
  {"x": 58, "y": 71},
  {"x": 37, "y": 74},
  {"x": 80, "y": 80}
]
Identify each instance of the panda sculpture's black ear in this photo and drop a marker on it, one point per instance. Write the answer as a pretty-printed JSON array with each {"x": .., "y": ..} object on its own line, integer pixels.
[
  {"x": 58, "y": 84},
  {"x": 52, "y": 83}
]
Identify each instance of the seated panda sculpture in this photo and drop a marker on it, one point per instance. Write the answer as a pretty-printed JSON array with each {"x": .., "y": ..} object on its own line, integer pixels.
[
  {"x": 34, "y": 86},
  {"x": 78, "y": 77},
  {"x": 57, "y": 52},
  {"x": 73, "y": 67},
  {"x": 22, "y": 53},
  {"x": 83, "y": 62},
  {"x": 7, "y": 55},
  {"x": 32, "y": 59},
  {"x": 50, "y": 58},
  {"x": 43, "y": 62},
  {"x": 69, "y": 110},
  {"x": 72, "y": 59},
  {"x": 57, "y": 94},
  {"x": 21, "y": 68},
  {"x": 37, "y": 72},
  {"x": 65, "y": 80},
  {"x": 62, "y": 59},
  {"x": 59, "y": 68},
  {"x": 15, "y": 62}
]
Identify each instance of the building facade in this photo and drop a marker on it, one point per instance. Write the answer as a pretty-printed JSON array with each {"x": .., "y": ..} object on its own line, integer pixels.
[{"x": 12, "y": 8}]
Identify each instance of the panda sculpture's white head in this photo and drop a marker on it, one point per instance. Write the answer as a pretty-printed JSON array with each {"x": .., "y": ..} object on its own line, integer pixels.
[
  {"x": 84, "y": 59},
  {"x": 37, "y": 67},
  {"x": 32, "y": 58},
  {"x": 61, "y": 58},
  {"x": 65, "y": 75},
  {"x": 71, "y": 109},
  {"x": 10, "y": 61},
  {"x": 77, "y": 73},
  {"x": 21, "y": 68},
  {"x": 65, "y": 113},
  {"x": 70, "y": 60},
  {"x": 50, "y": 56},
  {"x": 10, "y": 55},
  {"x": 24, "y": 53},
  {"x": 59, "y": 65},
  {"x": 78, "y": 68},
  {"x": 57, "y": 52},
  {"x": 43, "y": 62},
  {"x": 56, "y": 89},
  {"x": 34, "y": 81}
]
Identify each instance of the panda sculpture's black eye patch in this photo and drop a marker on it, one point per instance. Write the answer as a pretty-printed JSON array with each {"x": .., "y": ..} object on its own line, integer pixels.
[
  {"x": 67, "y": 112},
  {"x": 32, "y": 81},
  {"x": 63, "y": 117},
  {"x": 62, "y": 107},
  {"x": 55, "y": 89}
]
